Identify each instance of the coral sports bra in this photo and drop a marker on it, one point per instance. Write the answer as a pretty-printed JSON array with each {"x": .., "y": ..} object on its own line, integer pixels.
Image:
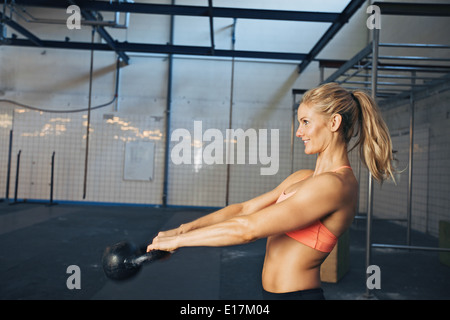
[{"x": 316, "y": 235}]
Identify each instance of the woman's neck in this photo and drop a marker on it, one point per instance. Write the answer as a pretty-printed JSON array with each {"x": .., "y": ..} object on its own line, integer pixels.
[{"x": 330, "y": 160}]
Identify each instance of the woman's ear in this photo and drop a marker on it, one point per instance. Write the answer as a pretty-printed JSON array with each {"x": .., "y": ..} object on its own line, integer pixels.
[{"x": 335, "y": 122}]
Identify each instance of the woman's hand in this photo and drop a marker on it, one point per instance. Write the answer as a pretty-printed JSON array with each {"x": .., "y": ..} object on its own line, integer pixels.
[
  {"x": 164, "y": 241},
  {"x": 173, "y": 232}
]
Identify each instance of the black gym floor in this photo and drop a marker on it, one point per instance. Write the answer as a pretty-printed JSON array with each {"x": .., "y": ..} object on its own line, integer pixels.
[{"x": 38, "y": 242}]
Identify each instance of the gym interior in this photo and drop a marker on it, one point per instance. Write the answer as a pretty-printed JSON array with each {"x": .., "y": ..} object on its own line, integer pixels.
[{"x": 122, "y": 118}]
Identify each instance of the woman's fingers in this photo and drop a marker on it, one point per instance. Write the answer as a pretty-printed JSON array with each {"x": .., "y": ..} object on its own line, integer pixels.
[{"x": 163, "y": 243}]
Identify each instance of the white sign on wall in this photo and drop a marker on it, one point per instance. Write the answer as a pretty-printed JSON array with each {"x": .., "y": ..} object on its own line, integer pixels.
[{"x": 139, "y": 160}]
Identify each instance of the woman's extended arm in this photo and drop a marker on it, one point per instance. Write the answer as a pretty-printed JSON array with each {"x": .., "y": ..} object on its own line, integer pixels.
[
  {"x": 234, "y": 210},
  {"x": 218, "y": 216},
  {"x": 313, "y": 202},
  {"x": 228, "y": 232}
]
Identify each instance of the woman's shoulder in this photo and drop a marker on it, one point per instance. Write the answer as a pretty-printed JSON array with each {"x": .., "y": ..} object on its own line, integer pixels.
[
  {"x": 340, "y": 184},
  {"x": 301, "y": 174},
  {"x": 293, "y": 178}
]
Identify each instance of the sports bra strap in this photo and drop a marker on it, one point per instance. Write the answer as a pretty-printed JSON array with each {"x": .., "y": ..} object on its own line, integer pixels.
[{"x": 342, "y": 167}]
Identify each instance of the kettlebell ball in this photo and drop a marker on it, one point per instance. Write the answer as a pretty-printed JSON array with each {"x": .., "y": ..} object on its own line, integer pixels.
[{"x": 123, "y": 260}]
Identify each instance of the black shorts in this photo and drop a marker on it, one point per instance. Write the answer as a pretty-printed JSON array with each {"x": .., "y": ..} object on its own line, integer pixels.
[{"x": 310, "y": 294}]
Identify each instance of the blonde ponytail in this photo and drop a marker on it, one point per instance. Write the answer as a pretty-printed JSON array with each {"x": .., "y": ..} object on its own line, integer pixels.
[
  {"x": 375, "y": 145},
  {"x": 361, "y": 118}
]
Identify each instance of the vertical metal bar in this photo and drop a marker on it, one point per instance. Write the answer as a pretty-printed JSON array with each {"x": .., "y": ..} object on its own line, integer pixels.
[
  {"x": 410, "y": 164},
  {"x": 168, "y": 115},
  {"x": 8, "y": 173},
  {"x": 52, "y": 177},
  {"x": 88, "y": 126},
  {"x": 16, "y": 189},
  {"x": 230, "y": 117},
  {"x": 292, "y": 133},
  {"x": 369, "y": 230},
  {"x": 375, "y": 41},
  {"x": 117, "y": 86},
  {"x": 211, "y": 25}
]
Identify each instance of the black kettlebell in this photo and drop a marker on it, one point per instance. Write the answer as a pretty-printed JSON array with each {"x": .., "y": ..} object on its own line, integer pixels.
[{"x": 123, "y": 260}]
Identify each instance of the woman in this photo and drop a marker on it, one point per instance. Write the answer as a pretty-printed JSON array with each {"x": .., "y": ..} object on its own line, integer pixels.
[{"x": 303, "y": 217}]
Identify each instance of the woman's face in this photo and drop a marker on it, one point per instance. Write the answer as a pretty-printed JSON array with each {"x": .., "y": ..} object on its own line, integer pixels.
[{"x": 313, "y": 129}]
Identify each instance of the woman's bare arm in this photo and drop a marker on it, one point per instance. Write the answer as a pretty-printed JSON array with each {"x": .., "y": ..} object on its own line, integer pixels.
[
  {"x": 309, "y": 204},
  {"x": 234, "y": 210}
]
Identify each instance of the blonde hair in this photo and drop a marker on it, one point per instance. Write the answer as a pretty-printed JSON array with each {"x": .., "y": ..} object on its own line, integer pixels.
[{"x": 361, "y": 118}]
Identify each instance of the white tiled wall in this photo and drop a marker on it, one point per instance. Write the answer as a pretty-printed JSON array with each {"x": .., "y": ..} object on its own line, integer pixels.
[
  {"x": 39, "y": 134},
  {"x": 395, "y": 207},
  {"x": 201, "y": 91},
  {"x": 138, "y": 115},
  {"x": 431, "y": 155}
]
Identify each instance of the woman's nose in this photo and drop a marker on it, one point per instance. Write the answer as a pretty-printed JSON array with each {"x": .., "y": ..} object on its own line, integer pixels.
[{"x": 299, "y": 133}]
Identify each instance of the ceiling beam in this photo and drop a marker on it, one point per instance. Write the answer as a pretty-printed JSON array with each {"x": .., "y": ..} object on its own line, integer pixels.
[
  {"x": 346, "y": 14},
  {"x": 103, "y": 33},
  {"x": 35, "y": 40},
  {"x": 182, "y": 10},
  {"x": 414, "y": 9},
  {"x": 159, "y": 49},
  {"x": 211, "y": 24},
  {"x": 337, "y": 20}
]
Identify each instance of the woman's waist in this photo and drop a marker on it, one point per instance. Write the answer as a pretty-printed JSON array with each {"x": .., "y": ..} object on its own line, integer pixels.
[
  {"x": 290, "y": 266},
  {"x": 282, "y": 279}
]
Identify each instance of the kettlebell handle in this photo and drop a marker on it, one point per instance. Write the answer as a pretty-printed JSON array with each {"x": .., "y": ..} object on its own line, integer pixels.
[{"x": 149, "y": 257}]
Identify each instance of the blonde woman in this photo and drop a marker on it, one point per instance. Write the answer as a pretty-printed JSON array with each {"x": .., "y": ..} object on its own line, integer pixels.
[{"x": 303, "y": 217}]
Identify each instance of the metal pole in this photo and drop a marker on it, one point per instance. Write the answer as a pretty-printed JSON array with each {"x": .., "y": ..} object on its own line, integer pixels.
[
  {"x": 410, "y": 165},
  {"x": 168, "y": 115},
  {"x": 396, "y": 246},
  {"x": 52, "y": 177},
  {"x": 376, "y": 37},
  {"x": 8, "y": 173},
  {"x": 117, "y": 86},
  {"x": 292, "y": 133},
  {"x": 17, "y": 177},
  {"x": 370, "y": 186},
  {"x": 88, "y": 126},
  {"x": 369, "y": 229},
  {"x": 230, "y": 117}
]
